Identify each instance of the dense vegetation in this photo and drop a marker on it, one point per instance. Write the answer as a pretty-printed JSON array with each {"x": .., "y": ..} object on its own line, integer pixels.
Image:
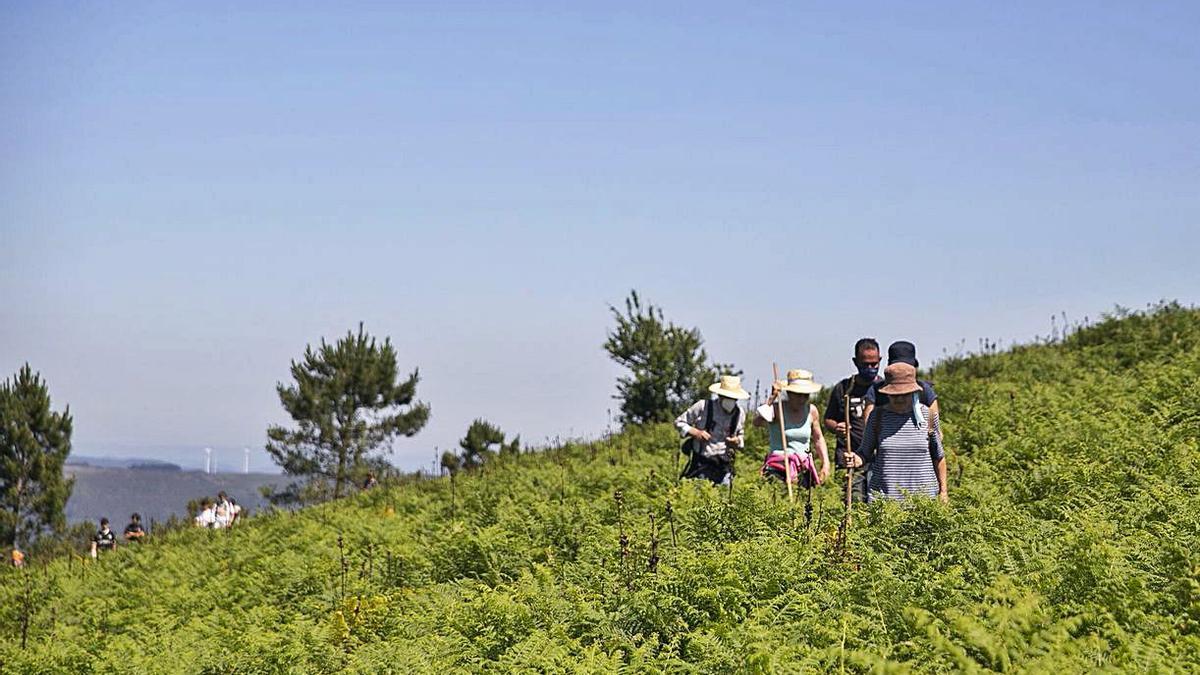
[{"x": 1072, "y": 544}]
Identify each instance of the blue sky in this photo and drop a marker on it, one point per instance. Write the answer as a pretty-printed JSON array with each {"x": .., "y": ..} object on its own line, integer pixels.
[{"x": 191, "y": 193}]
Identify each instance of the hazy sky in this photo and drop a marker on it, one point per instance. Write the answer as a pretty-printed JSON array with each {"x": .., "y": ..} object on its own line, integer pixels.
[{"x": 192, "y": 192}]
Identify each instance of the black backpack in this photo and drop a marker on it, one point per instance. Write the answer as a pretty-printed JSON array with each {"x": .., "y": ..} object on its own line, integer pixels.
[{"x": 688, "y": 448}]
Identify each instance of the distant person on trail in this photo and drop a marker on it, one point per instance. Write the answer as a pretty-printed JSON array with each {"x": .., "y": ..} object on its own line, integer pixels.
[
  {"x": 134, "y": 531},
  {"x": 235, "y": 511},
  {"x": 223, "y": 510},
  {"x": 802, "y": 425},
  {"x": 207, "y": 516},
  {"x": 902, "y": 442},
  {"x": 370, "y": 482},
  {"x": 866, "y": 361},
  {"x": 713, "y": 429},
  {"x": 18, "y": 558},
  {"x": 104, "y": 539}
]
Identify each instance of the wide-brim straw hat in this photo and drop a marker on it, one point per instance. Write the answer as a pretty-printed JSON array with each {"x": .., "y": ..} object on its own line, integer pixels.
[
  {"x": 801, "y": 382},
  {"x": 899, "y": 379},
  {"x": 730, "y": 386}
]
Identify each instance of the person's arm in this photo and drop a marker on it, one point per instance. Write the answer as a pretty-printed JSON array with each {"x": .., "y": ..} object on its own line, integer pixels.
[
  {"x": 93, "y": 548},
  {"x": 822, "y": 449},
  {"x": 938, "y": 454},
  {"x": 865, "y": 452},
  {"x": 687, "y": 421},
  {"x": 935, "y": 413},
  {"x": 834, "y": 412}
]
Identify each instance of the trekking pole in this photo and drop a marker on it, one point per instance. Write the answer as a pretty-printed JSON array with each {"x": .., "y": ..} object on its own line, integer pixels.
[
  {"x": 787, "y": 465},
  {"x": 849, "y": 473}
]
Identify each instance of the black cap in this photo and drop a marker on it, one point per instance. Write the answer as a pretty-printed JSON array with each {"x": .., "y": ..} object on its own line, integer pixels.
[{"x": 903, "y": 352}]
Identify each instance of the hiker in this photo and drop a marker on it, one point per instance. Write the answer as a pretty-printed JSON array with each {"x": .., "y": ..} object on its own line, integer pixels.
[
  {"x": 713, "y": 429},
  {"x": 370, "y": 482},
  {"x": 18, "y": 557},
  {"x": 903, "y": 351},
  {"x": 803, "y": 428},
  {"x": 902, "y": 442},
  {"x": 222, "y": 511},
  {"x": 207, "y": 516},
  {"x": 134, "y": 531},
  {"x": 235, "y": 511},
  {"x": 866, "y": 362},
  {"x": 104, "y": 539}
]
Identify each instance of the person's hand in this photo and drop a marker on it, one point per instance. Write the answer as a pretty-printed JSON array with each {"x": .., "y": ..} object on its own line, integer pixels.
[
  {"x": 735, "y": 441},
  {"x": 943, "y": 496},
  {"x": 824, "y": 473},
  {"x": 840, "y": 428},
  {"x": 852, "y": 459},
  {"x": 700, "y": 434},
  {"x": 776, "y": 387}
]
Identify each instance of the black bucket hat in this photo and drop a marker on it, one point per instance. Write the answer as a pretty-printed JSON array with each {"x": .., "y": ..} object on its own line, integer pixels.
[{"x": 903, "y": 352}]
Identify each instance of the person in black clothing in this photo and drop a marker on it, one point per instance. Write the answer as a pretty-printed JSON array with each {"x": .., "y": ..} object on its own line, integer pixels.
[
  {"x": 134, "y": 530},
  {"x": 104, "y": 539},
  {"x": 902, "y": 351},
  {"x": 866, "y": 361}
]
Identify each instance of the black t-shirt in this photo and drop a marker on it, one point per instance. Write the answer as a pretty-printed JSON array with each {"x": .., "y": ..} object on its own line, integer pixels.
[
  {"x": 105, "y": 541},
  {"x": 836, "y": 411},
  {"x": 135, "y": 529}
]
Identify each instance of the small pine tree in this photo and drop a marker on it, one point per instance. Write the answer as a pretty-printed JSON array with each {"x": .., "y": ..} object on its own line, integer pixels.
[
  {"x": 484, "y": 441},
  {"x": 669, "y": 369},
  {"x": 348, "y": 404},
  {"x": 34, "y": 444}
]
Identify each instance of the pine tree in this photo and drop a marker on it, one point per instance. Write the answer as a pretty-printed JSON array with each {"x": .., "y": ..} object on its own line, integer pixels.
[
  {"x": 348, "y": 404},
  {"x": 668, "y": 366},
  {"x": 484, "y": 441},
  {"x": 34, "y": 444}
]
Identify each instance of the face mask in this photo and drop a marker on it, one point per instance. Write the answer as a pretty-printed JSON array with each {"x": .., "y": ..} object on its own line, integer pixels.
[
  {"x": 868, "y": 372},
  {"x": 728, "y": 404}
]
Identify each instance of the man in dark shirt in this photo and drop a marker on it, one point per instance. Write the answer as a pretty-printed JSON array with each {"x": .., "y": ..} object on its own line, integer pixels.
[
  {"x": 134, "y": 530},
  {"x": 866, "y": 361},
  {"x": 104, "y": 539}
]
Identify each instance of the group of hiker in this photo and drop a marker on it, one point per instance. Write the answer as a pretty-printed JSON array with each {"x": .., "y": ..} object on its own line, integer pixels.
[
  {"x": 106, "y": 540},
  {"x": 888, "y": 430},
  {"x": 218, "y": 514}
]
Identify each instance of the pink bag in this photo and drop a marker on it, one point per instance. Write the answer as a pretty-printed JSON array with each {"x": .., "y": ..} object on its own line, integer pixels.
[{"x": 801, "y": 464}]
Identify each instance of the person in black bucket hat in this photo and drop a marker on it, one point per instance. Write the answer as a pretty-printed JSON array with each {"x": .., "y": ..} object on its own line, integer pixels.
[{"x": 902, "y": 351}]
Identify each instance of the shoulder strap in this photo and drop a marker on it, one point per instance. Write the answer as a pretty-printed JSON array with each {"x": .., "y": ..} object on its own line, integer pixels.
[
  {"x": 708, "y": 415},
  {"x": 733, "y": 420},
  {"x": 847, "y": 386}
]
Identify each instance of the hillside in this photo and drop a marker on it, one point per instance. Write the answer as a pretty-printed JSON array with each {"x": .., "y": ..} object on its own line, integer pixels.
[{"x": 1072, "y": 544}]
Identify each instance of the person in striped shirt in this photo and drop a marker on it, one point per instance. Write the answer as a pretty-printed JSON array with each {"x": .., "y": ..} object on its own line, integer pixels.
[{"x": 903, "y": 442}]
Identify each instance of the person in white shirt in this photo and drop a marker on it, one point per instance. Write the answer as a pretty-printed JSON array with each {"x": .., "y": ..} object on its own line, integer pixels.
[{"x": 208, "y": 515}]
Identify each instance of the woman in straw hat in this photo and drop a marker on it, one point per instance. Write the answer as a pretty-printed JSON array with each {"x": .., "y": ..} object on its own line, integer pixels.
[
  {"x": 714, "y": 428},
  {"x": 802, "y": 426},
  {"x": 903, "y": 442}
]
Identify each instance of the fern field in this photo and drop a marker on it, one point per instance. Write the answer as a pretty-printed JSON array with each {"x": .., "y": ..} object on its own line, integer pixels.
[{"x": 1071, "y": 544}]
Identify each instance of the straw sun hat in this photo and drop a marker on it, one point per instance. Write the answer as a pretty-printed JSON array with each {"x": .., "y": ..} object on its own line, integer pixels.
[
  {"x": 899, "y": 378},
  {"x": 801, "y": 382},
  {"x": 730, "y": 386}
]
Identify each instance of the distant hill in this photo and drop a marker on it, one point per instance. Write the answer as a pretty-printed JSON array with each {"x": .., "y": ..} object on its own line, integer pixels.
[{"x": 155, "y": 490}]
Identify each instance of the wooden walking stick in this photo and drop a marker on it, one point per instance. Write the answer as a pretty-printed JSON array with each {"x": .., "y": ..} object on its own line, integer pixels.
[
  {"x": 849, "y": 473},
  {"x": 787, "y": 465}
]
